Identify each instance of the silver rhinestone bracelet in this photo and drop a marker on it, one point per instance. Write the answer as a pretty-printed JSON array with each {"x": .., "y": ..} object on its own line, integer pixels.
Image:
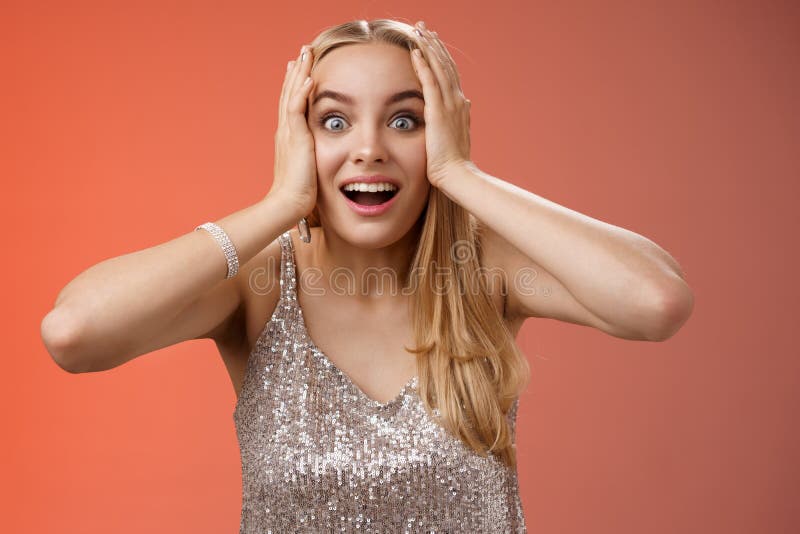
[{"x": 225, "y": 243}]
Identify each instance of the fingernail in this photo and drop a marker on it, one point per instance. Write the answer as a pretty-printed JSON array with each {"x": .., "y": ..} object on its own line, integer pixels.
[
  {"x": 422, "y": 24},
  {"x": 419, "y": 33},
  {"x": 303, "y": 56},
  {"x": 307, "y": 81}
]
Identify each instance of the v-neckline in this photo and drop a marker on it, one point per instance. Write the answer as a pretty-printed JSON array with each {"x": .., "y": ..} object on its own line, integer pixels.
[{"x": 326, "y": 360}]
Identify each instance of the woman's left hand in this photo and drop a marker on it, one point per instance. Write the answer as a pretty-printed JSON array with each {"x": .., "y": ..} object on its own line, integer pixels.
[{"x": 446, "y": 109}]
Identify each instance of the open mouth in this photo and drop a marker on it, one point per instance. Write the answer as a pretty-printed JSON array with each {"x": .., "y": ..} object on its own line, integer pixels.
[{"x": 369, "y": 198}]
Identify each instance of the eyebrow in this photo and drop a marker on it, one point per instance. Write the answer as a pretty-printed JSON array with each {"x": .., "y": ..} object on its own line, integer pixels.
[{"x": 345, "y": 99}]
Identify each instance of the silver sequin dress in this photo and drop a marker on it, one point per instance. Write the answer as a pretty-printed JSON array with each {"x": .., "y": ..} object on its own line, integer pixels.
[{"x": 319, "y": 455}]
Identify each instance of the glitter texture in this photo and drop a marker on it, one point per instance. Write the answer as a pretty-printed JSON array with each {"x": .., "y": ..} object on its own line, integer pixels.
[{"x": 319, "y": 455}]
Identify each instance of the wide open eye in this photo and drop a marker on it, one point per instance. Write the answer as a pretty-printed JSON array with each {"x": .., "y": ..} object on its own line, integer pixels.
[
  {"x": 407, "y": 122},
  {"x": 332, "y": 120},
  {"x": 411, "y": 121},
  {"x": 335, "y": 123}
]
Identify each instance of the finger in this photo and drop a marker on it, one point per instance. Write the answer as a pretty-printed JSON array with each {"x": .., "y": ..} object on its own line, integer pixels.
[
  {"x": 291, "y": 69},
  {"x": 440, "y": 74},
  {"x": 446, "y": 60},
  {"x": 298, "y": 100},
  {"x": 303, "y": 67},
  {"x": 291, "y": 81},
  {"x": 430, "y": 88},
  {"x": 449, "y": 62},
  {"x": 284, "y": 89}
]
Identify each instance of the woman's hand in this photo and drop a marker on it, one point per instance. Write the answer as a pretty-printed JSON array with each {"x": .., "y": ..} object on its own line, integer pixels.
[
  {"x": 446, "y": 109},
  {"x": 295, "y": 179}
]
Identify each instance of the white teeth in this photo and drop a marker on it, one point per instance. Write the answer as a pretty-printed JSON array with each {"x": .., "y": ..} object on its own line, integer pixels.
[{"x": 370, "y": 188}]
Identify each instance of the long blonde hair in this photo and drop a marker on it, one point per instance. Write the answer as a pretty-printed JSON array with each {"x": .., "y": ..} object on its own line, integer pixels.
[{"x": 470, "y": 370}]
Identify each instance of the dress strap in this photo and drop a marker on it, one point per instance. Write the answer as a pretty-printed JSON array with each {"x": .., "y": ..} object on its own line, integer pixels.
[{"x": 288, "y": 272}]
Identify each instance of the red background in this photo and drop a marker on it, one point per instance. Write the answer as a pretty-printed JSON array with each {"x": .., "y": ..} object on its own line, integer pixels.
[{"x": 124, "y": 125}]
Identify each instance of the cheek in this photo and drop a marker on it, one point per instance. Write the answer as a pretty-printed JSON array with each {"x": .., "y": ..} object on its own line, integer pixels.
[
  {"x": 416, "y": 159},
  {"x": 328, "y": 157},
  {"x": 416, "y": 169}
]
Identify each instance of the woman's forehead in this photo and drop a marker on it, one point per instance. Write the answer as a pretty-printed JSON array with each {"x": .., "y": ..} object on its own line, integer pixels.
[
  {"x": 368, "y": 72},
  {"x": 373, "y": 60}
]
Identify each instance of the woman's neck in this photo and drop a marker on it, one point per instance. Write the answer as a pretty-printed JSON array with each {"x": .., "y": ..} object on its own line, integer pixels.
[{"x": 363, "y": 273}]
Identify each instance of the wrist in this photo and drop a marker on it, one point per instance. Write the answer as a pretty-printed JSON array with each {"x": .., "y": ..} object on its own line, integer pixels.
[
  {"x": 454, "y": 169},
  {"x": 285, "y": 208}
]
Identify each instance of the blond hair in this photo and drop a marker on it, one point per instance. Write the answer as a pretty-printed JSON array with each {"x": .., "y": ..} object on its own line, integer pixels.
[{"x": 470, "y": 370}]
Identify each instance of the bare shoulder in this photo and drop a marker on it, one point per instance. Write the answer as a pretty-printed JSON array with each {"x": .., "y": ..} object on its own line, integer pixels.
[
  {"x": 260, "y": 289},
  {"x": 258, "y": 283}
]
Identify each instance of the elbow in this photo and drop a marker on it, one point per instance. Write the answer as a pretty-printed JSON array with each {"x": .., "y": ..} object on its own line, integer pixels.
[
  {"x": 674, "y": 307},
  {"x": 60, "y": 333}
]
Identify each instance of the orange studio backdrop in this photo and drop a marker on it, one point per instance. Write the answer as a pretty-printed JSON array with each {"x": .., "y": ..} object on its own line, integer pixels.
[{"x": 126, "y": 124}]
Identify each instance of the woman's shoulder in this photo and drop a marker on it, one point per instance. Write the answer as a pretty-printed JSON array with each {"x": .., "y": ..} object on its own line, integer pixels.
[{"x": 260, "y": 287}]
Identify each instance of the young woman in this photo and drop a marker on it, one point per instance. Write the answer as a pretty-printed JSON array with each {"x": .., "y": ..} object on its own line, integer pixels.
[{"x": 378, "y": 381}]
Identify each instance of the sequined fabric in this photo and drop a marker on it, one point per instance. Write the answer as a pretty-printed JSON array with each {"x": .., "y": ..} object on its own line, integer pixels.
[{"x": 319, "y": 455}]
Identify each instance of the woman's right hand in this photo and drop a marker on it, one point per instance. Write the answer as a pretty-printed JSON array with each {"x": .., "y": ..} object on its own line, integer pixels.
[{"x": 295, "y": 178}]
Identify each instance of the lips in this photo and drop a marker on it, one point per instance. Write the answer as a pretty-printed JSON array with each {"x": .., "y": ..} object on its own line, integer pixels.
[
  {"x": 366, "y": 203},
  {"x": 370, "y": 199},
  {"x": 367, "y": 210}
]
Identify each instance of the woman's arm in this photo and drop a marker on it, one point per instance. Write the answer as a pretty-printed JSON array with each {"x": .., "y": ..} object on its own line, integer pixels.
[
  {"x": 117, "y": 309},
  {"x": 175, "y": 291},
  {"x": 604, "y": 276}
]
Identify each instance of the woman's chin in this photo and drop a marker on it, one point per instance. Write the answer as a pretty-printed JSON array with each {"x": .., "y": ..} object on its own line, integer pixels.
[{"x": 364, "y": 234}]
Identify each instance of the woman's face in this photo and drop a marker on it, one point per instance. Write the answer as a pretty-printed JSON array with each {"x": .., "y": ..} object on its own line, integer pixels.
[{"x": 365, "y": 132}]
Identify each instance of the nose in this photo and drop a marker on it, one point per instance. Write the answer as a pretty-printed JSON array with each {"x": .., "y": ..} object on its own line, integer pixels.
[{"x": 369, "y": 146}]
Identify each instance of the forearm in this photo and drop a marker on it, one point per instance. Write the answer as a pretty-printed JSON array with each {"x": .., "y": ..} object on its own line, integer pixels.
[
  {"x": 122, "y": 301},
  {"x": 610, "y": 270}
]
